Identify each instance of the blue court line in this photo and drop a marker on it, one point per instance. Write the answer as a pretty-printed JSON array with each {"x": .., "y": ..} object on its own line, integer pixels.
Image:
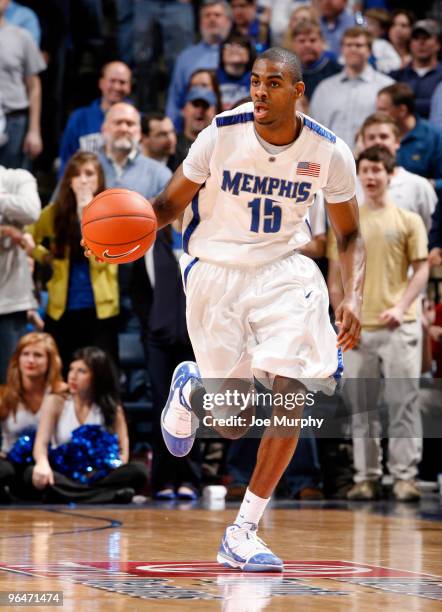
[{"x": 112, "y": 523}]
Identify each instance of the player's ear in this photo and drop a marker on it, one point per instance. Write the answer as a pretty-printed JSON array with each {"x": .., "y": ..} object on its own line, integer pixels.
[{"x": 299, "y": 88}]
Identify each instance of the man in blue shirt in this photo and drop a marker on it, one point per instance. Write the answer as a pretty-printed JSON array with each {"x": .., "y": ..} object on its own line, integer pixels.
[
  {"x": 334, "y": 18},
  {"x": 424, "y": 72},
  {"x": 421, "y": 142},
  {"x": 125, "y": 166},
  {"x": 83, "y": 129},
  {"x": 215, "y": 24}
]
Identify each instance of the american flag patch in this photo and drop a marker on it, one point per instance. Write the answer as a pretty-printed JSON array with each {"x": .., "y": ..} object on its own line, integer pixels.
[{"x": 308, "y": 168}]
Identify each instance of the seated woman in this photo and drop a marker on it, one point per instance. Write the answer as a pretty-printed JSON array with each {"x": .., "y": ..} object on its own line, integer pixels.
[
  {"x": 34, "y": 371},
  {"x": 83, "y": 296},
  {"x": 93, "y": 400}
]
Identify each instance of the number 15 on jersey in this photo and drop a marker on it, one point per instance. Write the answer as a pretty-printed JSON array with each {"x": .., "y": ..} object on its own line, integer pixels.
[{"x": 266, "y": 212}]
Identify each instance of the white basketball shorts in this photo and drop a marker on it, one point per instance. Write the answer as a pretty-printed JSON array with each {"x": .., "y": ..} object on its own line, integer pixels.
[{"x": 262, "y": 321}]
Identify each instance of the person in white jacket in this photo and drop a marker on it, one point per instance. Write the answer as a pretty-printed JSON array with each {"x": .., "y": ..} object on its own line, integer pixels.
[{"x": 19, "y": 206}]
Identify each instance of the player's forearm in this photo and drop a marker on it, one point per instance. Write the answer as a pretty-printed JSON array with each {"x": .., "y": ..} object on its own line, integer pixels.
[
  {"x": 417, "y": 284},
  {"x": 334, "y": 284},
  {"x": 171, "y": 202},
  {"x": 352, "y": 259},
  {"x": 165, "y": 210}
]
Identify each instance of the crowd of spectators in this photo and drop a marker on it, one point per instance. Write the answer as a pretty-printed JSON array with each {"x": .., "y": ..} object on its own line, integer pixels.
[{"x": 97, "y": 94}]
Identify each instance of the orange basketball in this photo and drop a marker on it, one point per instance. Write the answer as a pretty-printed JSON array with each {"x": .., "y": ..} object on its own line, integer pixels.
[{"x": 119, "y": 225}]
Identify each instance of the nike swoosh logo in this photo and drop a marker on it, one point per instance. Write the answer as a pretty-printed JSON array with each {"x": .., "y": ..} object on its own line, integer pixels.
[
  {"x": 307, "y": 295},
  {"x": 107, "y": 255}
]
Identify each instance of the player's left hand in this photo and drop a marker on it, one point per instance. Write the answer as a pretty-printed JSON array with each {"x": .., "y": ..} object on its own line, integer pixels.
[
  {"x": 88, "y": 253},
  {"x": 392, "y": 317},
  {"x": 348, "y": 321}
]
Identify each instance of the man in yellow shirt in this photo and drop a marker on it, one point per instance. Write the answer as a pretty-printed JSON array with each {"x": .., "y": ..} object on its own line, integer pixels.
[{"x": 395, "y": 239}]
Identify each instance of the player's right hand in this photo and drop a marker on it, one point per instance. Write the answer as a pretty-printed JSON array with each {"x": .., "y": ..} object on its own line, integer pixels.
[{"x": 348, "y": 321}]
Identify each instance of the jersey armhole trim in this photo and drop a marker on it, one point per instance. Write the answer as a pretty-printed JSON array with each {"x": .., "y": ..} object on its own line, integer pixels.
[{"x": 233, "y": 119}]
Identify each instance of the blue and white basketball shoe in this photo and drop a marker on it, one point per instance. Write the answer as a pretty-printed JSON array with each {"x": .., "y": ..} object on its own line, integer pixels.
[
  {"x": 178, "y": 423},
  {"x": 242, "y": 549}
]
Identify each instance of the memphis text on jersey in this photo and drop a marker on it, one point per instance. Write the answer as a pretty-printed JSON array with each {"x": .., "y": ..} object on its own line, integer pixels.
[{"x": 298, "y": 191}]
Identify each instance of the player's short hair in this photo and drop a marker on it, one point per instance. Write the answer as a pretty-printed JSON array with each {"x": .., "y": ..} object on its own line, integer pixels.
[
  {"x": 146, "y": 118},
  {"x": 380, "y": 118},
  {"x": 305, "y": 27},
  {"x": 355, "y": 32},
  {"x": 378, "y": 154},
  {"x": 286, "y": 57},
  {"x": 400, "y": 93}
]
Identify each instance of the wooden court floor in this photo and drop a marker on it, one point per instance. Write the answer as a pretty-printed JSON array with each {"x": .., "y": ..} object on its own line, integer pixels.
[{"x": 159, "y": 557}]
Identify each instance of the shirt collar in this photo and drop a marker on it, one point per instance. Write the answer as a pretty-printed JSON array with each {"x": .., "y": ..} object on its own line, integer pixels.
[
  {"x": 417, "y": 131},
  {"x": 130, "y": 158},
  {"x": 366, "y": 75},
  {"x": 212, "y": 46}
]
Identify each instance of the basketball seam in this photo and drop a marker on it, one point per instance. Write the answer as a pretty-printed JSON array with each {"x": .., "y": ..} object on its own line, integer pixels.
[
  {"x": 115, "y": 244},
  {"x": 118, "y": 216}
]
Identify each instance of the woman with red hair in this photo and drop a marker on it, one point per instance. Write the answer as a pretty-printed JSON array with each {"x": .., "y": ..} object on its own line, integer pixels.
[{"x": 34, "y": 371}]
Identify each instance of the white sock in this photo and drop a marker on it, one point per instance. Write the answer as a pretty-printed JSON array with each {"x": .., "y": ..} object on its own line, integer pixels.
[{"x": 252, "y": 509}]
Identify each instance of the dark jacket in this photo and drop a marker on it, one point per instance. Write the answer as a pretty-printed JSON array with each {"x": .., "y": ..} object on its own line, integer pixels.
[
  {"x": 423, "y": 87},
  {"x": 312, "y": 74}
]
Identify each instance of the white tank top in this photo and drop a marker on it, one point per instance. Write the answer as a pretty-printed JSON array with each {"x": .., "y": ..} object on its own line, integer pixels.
[
  {"x": 14, "y": 424},
  {"x": 68, "y": 421}
]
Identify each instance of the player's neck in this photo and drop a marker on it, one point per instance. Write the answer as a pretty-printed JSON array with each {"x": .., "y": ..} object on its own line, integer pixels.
[{"x": 281, "y": 135}]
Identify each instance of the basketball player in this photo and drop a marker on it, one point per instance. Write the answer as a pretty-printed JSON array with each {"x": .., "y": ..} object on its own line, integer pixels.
[{"x": 254, "y": 305}]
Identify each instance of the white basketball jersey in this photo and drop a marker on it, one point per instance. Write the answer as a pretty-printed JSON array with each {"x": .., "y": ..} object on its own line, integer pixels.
[{"x": 252, "y": 206}]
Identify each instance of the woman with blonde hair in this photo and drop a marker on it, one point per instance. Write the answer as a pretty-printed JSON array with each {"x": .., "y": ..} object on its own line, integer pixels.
[
  {"x": 83, "y": 296},
  {"x": 34, "y": 371}
]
